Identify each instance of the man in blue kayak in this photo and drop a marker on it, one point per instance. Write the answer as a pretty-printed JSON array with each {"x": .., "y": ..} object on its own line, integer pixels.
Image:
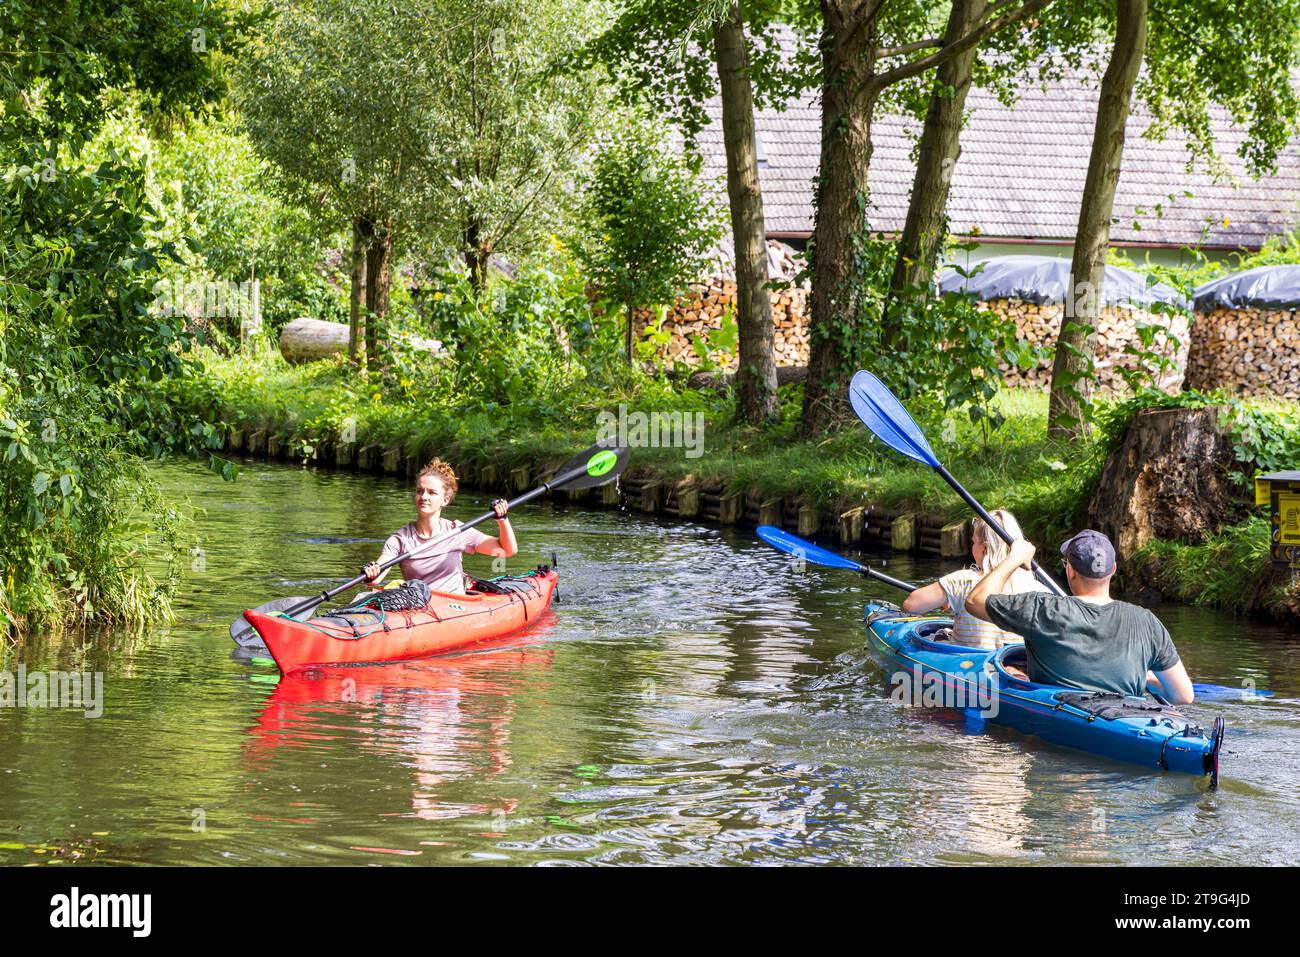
[{"x": 1086, "y": 640}]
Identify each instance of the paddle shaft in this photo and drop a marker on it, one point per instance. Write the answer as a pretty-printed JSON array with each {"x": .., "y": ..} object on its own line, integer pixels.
[
  {"x": 992, "y": 523},
  {"x": 882, "y": 577},
  {"x": 562, "y": 479}
]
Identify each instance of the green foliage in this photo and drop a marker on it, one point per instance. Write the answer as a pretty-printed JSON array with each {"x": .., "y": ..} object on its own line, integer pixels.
[
  {"x": 1230, "y": 569},
  {"x": 1239, "y": 57},
  {"x": 81, "y": 357},
  {"x": 529, "y": 345},
  {"x": 433, "y": 118},
  {"x": 216, "y": 196},
  {"x": 659, "y": 55},
  {"x": 652, "y": 225}
]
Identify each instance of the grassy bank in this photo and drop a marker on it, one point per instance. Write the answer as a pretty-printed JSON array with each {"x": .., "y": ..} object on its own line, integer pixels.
[
  {"x": 1228, "y": 570},
  {"x": 1015, "y": 467},
  {"x": 1047, "y": 484}
]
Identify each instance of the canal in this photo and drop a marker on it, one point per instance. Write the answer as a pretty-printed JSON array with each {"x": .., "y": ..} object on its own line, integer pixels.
[{"x": 694, "y": 698}]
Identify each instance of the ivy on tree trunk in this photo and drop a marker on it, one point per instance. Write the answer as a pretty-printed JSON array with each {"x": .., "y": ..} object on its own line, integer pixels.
[{"x": 841, "y": 194}]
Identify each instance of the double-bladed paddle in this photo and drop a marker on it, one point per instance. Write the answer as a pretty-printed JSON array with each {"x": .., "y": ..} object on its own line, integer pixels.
[
  {"x": 598, "y": 465},
  {"x": 885, "y": 416},
  {"x": 783, "y": 541}
]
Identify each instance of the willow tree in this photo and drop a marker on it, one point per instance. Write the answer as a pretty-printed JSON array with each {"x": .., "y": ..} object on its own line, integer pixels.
[
  {"x": 866, "y": 49},
  {"x": 1180, "y": 58},
  {"x": 338, "y": 96},
  {"x": 510, "y": 133},
  {"x": 428, "y": 121}
]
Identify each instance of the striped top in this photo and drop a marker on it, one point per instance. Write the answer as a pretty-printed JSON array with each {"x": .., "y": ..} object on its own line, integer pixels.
[{"x": 969, "y": 630}]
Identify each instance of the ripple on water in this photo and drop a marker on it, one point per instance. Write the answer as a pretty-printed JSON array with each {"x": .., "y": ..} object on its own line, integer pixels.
[{"x": 691, "y": 700}]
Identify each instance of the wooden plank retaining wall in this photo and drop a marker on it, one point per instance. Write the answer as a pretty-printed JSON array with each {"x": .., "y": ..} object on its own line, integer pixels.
[{"x": 644, "y": 491}]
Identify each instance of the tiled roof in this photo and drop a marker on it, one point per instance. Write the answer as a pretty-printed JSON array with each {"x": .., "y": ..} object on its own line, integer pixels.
[{"x": 1021, "y": 173}]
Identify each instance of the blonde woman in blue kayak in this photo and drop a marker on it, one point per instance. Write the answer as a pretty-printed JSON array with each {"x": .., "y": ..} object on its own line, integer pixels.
[
  {"x": 951, "y": 590},
  {"x": 440, "y": 567}
]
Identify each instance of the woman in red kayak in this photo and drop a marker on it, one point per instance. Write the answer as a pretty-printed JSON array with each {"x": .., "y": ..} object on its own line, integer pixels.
[{"x": 440, "y": 566}]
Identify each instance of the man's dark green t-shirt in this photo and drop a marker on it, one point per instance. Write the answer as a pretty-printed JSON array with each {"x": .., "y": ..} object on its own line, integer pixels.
[{"x": 1078, "y": 644}]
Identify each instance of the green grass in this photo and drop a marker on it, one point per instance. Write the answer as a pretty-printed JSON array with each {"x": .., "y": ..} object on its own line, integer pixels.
[
  {"x": 1014, "y": 466},
  {"x": 1230, "y": 570}
]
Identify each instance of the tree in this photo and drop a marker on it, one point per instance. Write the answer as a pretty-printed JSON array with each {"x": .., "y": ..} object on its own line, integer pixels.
[
  {"x": 651, "y": 226},
  {"x": 510, "y": 133},
  {"x": 1055, "y": 38},
  {"x": 1179, "y": 57},
  {"x": 939, "y": 147},
  {"x": 1072, "y": 365},
  {"x": 338, "y": 95},
  {"x": 866, "y": 48},
  {"x": 675, "y": 57},
  {"x": 756, "y": 399}
]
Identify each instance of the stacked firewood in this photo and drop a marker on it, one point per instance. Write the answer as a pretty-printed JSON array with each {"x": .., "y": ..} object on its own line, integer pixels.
[
  {"x": 1117, "y": 328},
  {"x": 698, "y": 315},
  {"x": 1246, "y": 350}
]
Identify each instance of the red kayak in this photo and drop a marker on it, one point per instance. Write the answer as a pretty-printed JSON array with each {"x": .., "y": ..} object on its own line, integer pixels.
[{"x": 366, "y": 635}]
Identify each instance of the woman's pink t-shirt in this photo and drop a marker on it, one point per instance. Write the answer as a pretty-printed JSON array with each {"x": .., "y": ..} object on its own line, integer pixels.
[{"x": 439, "y": 565}]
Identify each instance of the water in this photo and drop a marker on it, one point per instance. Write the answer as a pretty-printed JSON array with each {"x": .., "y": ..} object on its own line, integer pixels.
[{"x": 693, "y": 699}]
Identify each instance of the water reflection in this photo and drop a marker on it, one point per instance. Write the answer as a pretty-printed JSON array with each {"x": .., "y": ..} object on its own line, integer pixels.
[{"x": 692, "y": 699}]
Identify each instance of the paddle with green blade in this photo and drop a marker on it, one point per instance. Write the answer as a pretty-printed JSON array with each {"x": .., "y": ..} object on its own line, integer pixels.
[{"x": 598, "y": 465}]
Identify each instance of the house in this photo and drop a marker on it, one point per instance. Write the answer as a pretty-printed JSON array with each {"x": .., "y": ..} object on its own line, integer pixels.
[{"x": 1017, "y": 185}]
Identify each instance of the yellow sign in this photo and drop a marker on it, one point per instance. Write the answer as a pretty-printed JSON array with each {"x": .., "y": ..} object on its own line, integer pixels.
[
  {"x": 1262, "y": 490},
  {"x": 1288, "y": 517}
]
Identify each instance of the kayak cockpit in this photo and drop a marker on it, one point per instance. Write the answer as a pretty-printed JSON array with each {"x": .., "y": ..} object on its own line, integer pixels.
[{"x": 1011, "y": 662}]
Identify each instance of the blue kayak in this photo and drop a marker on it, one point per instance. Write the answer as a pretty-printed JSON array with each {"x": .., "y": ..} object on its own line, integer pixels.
[{"x": 935, "y": 673}]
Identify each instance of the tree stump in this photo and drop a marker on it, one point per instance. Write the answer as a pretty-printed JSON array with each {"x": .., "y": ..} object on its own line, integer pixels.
[{"x": 1167, "y": 480}]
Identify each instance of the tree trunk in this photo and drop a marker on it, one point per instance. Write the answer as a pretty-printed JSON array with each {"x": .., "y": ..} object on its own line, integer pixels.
[
  {"x": 1167, "y": 480},
  {"x": 476, "y": 257},
  {"x": 628, "y": 308},
  {"x": 1072, "y": 367},
  {"x": 840, "y": 225},
  {"x": 756, "y": 398},
  {"x": 357, "y": 305},
  {"x": 379, "y": 261},
  {"x": 918, "y": 247}
]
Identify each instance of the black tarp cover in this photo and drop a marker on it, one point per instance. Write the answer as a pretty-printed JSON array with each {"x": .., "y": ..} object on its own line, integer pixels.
[
  {"x": 1264, "y": 287},
  {"x": 1041, "y": 279}
]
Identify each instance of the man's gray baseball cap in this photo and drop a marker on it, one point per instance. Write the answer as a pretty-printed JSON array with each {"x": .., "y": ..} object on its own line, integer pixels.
[{"x": 1090, "y": 553}]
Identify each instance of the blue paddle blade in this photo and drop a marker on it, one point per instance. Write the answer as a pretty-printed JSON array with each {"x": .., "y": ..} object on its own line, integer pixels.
[
  {"x": 1208, "y": 692},
  {"x": 1226, "y": 693},
  {"x": 783, "y": 541},
  {"x": 885, "y": 416}
]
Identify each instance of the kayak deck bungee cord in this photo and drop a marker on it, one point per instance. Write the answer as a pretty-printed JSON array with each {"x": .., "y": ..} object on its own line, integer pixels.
[{"x": 977, "y": 683}]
